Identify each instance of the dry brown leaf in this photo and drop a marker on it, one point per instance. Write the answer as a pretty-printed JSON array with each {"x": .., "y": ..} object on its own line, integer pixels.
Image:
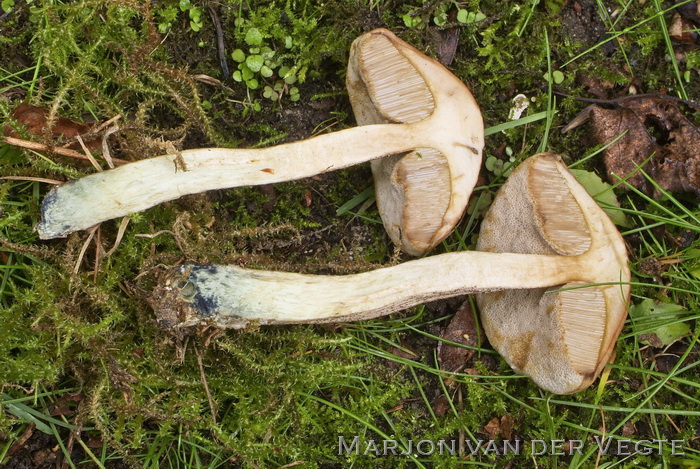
[
  {"x": 462, "y": 329},
  {"x": 507, "y": 423},
  {"x": 628, "y": 429},
  {"x": 682, "y": 30},
  {"x": 404, "y": 352},
  {"x": 440, "y": 406},
  {"x": 35, "y": 119},
  {"x": 493, "y": 428},
  {"x": 502, "y": 427},
  {"x": 649, "y": 125}
]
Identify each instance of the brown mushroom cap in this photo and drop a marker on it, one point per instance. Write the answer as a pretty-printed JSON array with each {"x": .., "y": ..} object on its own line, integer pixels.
[
  {"x": 421, "y": 194},
  {"x": 562, "y": 339}
]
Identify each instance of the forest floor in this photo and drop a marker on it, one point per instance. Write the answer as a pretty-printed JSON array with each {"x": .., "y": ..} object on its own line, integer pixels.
[{"x": 89, "y": 379}]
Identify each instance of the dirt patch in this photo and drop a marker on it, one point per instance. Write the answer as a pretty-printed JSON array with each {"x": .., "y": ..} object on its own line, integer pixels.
[{"x": 582, "y": 24}]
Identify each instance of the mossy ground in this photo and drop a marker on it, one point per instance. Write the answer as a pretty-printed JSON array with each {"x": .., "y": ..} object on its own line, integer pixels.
[{"x": 86, "y": 375}]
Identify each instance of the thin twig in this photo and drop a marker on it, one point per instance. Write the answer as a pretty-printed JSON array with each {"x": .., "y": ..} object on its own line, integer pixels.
[
  {"x": 91, "y": 232},
  {"x": 206, "y": 385},
  {"x": 30, "y": 178},
  {"x": 120, "y": 233},
  {"x": 18, "y": 142},
  {"x": 151, "y": 236},
  {"x": 600, "y": 448},
  {"x": 105, "y": 147},
  {"x": 98, "y": 253},
  {"x": 220, "y": 46},
  {"x": 292, "y": 464},
  {"x": 617, "y": 101},
  {"x": 105, "y": 124},
  {"x": 88, "y": 154}
]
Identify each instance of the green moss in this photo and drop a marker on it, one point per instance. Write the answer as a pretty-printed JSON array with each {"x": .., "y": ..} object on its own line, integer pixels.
[{"x": 141, "y": 391}]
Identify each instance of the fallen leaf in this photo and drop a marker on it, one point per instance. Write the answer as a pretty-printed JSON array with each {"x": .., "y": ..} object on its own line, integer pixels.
[
  {"x": 404, "y": 352},
  {"x": 35, "y": 120},
  {"x": 493, "y": 428},
  {"x": 690, "y": 11},
  {"x": 502, "y": 427},
  {"x": 648, "y": 127},
  {"x": 462, "y": 329},
  {"x": 447, "y": 41},
  {"x": 507, "y": 423},
  {"x": 440, "y": 406},
  {"x": 628, "y": 429},
  {"x": 602, "y": 193},
  {"x": 657, "y": 323},
  {"x": 682, "y": 30}
]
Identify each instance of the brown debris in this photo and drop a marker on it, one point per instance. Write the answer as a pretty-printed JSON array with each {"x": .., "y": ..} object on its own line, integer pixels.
[
  {"x": 462, "y": 329},
  {"x": 441, "y": 406},
  {"x": 502, "y": 427},
  {"x": 35, "y": 120},
  {"x": 682, "y": 31},
  {"x": 655, "y": 128},
  {"x": 404, "y": 352},
  {"x": 598, "y": 87},
  {"x": 446, "y": 44},
  {"x": 690, "y": 11}
]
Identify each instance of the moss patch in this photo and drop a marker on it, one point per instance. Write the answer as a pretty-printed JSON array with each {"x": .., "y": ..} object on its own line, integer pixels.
[{"x": 78, "y": 343}]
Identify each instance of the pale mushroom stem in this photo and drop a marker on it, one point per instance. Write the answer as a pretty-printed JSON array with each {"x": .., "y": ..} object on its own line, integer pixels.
[
  {"x": 231, "y": 296},
  {"x": 85, "y": 202}
]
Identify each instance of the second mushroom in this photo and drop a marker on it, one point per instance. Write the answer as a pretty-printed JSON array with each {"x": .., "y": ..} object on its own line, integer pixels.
[{"x": 551, "y": 273}]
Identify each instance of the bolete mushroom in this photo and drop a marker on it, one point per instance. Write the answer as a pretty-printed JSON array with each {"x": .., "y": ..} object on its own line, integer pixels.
[
  {"x": 421, "y": 195},
  {"x": 416, "y": 106},
  {"x": 543, "y": 230}
]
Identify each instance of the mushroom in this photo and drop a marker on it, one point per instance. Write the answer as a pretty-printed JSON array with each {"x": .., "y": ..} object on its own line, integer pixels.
[
  {"x": 416, "y": 106},
  {"x": 543, "y": 230},
  {"x": 421, "y": 195}
]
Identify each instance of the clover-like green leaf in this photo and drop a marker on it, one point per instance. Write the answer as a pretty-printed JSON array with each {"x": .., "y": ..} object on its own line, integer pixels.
[
  {"x": 254, "y": 62},
  {"x": 238, "y": 55},
  {"x": 253, "y": 37},
  {"x": 658, "y": 324},
  {"x": 603, "y": 194}
]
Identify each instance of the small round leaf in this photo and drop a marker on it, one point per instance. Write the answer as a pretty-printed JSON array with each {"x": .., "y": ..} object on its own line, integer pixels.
[
  {"x": 238, "y": 55},
  {"x": 253, "y": 37}
]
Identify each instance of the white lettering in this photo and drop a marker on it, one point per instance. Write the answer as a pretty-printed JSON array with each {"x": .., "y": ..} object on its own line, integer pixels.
[
  {"x": 675, "y": 451},
  {"x": 623, "y": 448},
  {"x": 390, "y": 445},
  {"x": 474, "y": 449},
  {"x": 343, "y": 447},
  {"x": 557, "y": 448},
  {"x": 508, "y": 447},
  {"x": 599, "y": 442},
  {"x": 491, "y": 448},
  {"x": 537, "y": 452},
  {"x": 450, "y": 449},
  {"x": 424, "y": 452},
  {"x": 371, "y": 448},
  {"x": 575, "y": 446}
]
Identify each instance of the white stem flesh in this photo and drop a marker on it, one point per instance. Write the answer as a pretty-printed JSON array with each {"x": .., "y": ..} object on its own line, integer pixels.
[
  {"x": 231, "y": 296},
  {"x": 85, "y": 202}
]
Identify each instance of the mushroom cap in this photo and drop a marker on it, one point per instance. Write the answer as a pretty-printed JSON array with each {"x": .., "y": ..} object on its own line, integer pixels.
[
  {"x": 561, "y": 339},
  {"x": 421, "y": 194}
]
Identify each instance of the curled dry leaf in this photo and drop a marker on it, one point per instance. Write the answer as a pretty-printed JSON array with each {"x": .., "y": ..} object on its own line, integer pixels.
[
  {"x": 649, "y": 127},
  {"x": 462, "y": 329},
  {"x": 502, "y": 427}
]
